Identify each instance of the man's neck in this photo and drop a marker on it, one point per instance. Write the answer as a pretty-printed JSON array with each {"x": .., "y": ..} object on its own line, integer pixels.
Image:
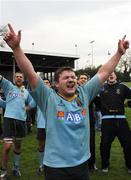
[
  {"x": 20, "y": 87},
  {"x": 68, "y": 98},
  {"x": 112, "y": 83}
]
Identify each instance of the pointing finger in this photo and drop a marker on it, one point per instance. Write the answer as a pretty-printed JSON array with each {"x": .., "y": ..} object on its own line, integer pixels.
[
  {"x": 123, "y": 37},
  {"x": 11, "y": 29}
]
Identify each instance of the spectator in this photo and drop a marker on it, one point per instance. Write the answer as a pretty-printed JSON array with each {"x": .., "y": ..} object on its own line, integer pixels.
[
  {"x": 41, "y": 133},
  {"x": 1, "y": 113},
  {"x": 114, "y": 123},
  {"x": 82, "y": 79}
]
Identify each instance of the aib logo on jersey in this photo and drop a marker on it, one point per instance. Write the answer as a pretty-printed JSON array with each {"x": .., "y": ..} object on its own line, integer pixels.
[
  {"x": 11, "y": 94},
  {"x": 73, "y": 118}
]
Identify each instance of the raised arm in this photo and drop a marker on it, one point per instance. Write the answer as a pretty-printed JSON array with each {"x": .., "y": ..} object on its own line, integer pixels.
[
  {"x": 13, "y": 41},
  {"x": 110, "y": 66}
]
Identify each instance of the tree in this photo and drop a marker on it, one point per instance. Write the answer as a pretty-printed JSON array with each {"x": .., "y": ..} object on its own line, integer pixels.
[
  {"x": 124, "y": 65},
  {"x": 3, "y": 30},
  {"x": 2, "y": 43},
  {"x": 90, "y": 71}
]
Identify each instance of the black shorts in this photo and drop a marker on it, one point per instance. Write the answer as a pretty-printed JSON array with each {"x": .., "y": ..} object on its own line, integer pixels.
[
  {"x": 41, "y": 135},
  {"x": 80, "y": 172},
  {"x": 13, "y": 128}
]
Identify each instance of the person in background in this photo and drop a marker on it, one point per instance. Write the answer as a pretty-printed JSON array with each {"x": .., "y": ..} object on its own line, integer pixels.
[
  {"x": 67, "y": 115},
  {"x": 41, "y": 133},
  {"x": 1, "y": 112},
  {"x": 98, "y": 115},
  {"x": 82, "y": 79},
  {"x": 114, "y": 122},
  {"x": 129, "y": 103},
  {"x": 31, "y": 115},
  {"x": 14, "y": 120}
]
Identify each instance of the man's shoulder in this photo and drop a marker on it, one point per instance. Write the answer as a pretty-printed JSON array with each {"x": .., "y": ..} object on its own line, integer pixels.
[{"x": 122, "y": 85}]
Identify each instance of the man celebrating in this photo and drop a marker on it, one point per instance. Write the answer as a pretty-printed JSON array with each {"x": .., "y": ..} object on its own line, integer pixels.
[
  {"x": 17, "y": 97},
  {"x": 66, "y": 112}
]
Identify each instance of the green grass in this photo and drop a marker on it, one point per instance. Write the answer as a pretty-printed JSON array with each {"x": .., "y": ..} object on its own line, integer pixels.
[
  {"x": 29, "y": 161},
  {"x": 128, "y": 84}
]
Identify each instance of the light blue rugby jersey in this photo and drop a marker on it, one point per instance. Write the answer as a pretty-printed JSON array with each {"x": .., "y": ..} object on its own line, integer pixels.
[
  {"x": 2, "y": 103},
  {"x": 67, "y": 124},
  {"x": 40, "y": 119},
  {"x": 16, "y": 100}
]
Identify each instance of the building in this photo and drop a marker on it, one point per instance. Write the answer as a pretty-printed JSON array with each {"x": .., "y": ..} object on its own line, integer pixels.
[{"x": 46, "y": 63}]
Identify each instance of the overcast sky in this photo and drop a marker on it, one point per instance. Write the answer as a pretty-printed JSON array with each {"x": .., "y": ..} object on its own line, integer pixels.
[{"x": 57, "y": 26}]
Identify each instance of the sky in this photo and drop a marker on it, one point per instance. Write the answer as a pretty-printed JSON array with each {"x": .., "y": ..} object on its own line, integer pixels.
[{"x": 68, "y": 26}]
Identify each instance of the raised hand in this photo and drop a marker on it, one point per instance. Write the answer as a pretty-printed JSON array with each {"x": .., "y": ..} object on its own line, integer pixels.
[
  {"x": 123, "y": 45},
  {"x": 12, "y": 39}
]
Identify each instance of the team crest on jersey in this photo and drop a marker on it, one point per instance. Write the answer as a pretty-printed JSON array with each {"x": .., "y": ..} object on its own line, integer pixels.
[
  {"x": 60, "y": 115},
  {"x": 118, "y": 91},
  {"x": 83, "y": 112}
]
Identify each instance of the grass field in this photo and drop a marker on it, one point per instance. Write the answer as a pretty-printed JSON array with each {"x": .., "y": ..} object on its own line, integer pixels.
[{"x": 29, "y": 162}]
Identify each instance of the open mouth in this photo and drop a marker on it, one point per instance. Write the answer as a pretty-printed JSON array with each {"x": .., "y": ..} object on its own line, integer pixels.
[
  {"x": 70, "y": 85},
  {"x": 111, "y": 78}
]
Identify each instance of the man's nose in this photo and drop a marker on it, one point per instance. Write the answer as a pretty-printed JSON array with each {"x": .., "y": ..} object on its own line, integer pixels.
[{"x": 70, "y": 79}]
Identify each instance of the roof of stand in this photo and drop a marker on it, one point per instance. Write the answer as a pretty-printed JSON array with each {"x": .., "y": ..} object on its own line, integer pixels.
[{"x": 42, "y": 61}]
